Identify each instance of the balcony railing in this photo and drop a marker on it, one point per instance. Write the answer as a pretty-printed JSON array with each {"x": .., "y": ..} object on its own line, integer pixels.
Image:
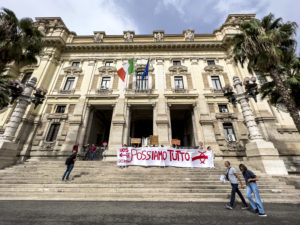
[
  {"x": 104, "y": 91},
  {"x": 139, "y": 91},
  {"x": 66, "y": 92},
  {"x": 180, "y": 90}
]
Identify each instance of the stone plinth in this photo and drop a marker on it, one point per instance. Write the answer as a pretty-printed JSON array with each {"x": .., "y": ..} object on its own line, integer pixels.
[
  {"x": 8, "y": 154},
  {"x": 264, "y": 156}
]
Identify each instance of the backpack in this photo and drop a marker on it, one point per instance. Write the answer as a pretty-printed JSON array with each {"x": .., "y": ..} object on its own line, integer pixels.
[{"x": 69, "y": 160}]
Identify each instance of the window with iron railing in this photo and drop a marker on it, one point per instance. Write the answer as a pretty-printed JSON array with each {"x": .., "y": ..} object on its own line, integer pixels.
[
  {"x": 223, "y": 108},
  {"x": 141, "y": 84}
]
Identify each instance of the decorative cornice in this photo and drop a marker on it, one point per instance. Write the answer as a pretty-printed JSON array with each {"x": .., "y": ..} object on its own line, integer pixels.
[{"x": 153, "y": 46}]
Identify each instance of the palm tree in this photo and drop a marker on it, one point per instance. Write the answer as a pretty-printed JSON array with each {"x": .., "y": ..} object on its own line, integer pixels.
[
  {"x": 4, "y": 93},
  {"x": 20, "y": 42},
  {"x": 267, "y": 46}
]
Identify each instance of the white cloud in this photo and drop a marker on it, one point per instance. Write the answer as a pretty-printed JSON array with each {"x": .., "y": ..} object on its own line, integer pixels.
[
  {"x": 178, "y": 5},
  {"x": 83, "y": 17}
]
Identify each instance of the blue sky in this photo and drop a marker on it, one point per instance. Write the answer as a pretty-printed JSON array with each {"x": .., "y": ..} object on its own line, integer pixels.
[{"x": 144, "y": 16}]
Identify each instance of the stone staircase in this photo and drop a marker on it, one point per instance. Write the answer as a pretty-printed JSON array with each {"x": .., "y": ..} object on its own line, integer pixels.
[{"x": 104, "y": 181}]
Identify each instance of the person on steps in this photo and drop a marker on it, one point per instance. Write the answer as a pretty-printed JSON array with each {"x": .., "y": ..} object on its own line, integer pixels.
[
  {"x": 70, "y": 164},
  {"x": 234, "y": 180},
  {"x": 250, "y": 179}
]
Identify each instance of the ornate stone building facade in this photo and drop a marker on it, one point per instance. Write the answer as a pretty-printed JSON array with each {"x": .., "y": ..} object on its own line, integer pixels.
[{"x": 181, "y": 98}]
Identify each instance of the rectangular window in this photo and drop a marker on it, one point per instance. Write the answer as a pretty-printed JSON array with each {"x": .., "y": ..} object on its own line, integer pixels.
[
  {"x": 178, "y": 82},
  {"x": 176, "y": 63},
  {"x": 216, "y": 83},
  {"x": 260, "y": 78},
  {"x": 141, "y": 84},
  {"x": 211, "y": 62},
  {"x": 69, "y": 83},
  {"x": 228, "y": 132},
  {"x": 75, "y": 64},
  {"x": 223, "y": 109},
  {"x": 60, "y": 109},
  {"x": 105, "y": 83},
  {"x": 53, "y": 131},
  {"x": 109, "y": 63}
]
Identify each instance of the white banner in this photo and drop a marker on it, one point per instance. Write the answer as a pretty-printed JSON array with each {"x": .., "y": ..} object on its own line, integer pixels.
[{"x": 163, "y": 156}]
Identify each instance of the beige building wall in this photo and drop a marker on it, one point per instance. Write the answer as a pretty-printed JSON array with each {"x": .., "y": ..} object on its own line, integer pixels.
[{"x": 193, "y": 51}]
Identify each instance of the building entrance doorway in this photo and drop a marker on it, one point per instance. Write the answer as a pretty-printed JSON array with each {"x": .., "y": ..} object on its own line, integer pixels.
[
  {"x": 100, "y": 126},
  {"x": 141, "y": 123},
  {"x": 182, "y": 125}
]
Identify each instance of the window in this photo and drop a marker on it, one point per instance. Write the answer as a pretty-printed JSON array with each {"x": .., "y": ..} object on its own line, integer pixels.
[
  {"x": 211, "y": 62},
  {"x": 60, "y": 109},
  {"x": 52, "y": 133},
  {"x": 69, "y": 83},
  {"x": 141, "y": 84},
  {"x": 216, "y": 83},
  {"x": 105, "y": 83},
  {"x": 75, "y": 64},
  {"x": 176, "y": 63},
  {"x": 178, "y": 82},
  {"x": 228, "y": 132},
  {"x": 260, "y": 78},
  {"x": 109, "y": 63},
  {"x": 26, "y": 77},
  {"x": 223, "y": 109}
]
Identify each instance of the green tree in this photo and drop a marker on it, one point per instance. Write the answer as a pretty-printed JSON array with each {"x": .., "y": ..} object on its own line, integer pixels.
[
  {"x": 268, "y": 45},
  {"x": 20, "y": 43}
]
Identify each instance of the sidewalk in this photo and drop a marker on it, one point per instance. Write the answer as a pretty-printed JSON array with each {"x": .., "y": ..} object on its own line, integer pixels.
[{"x": 140, "y": 213}]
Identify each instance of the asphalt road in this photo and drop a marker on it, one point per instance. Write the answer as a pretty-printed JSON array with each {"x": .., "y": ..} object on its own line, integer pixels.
[{"x": 131, "y": 213}]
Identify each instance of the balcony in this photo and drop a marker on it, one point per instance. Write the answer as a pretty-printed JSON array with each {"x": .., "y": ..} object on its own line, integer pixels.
[
  {"x": 181, "y": 93},
  {"x": 104, "y": 91},
  {"x": 141, "y": 93}
]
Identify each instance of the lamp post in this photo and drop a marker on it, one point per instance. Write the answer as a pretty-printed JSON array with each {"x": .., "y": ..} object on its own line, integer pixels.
[
  {"x": 260, "y": 153},
  {"x": 23, "y": 94},
  {"x": 242, "y": 98}
]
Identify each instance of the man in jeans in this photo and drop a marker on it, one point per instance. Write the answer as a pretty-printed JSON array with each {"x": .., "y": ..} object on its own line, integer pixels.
[
  {"x": 251, "y": 179},
  {"x": 70, "y": 164},
  {"x": 234, "y": 180}
]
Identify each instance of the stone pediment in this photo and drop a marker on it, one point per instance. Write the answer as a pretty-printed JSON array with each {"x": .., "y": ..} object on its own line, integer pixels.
[
  {"x": 107, "y": 69},
  {"x": 73, "y": 70},
  {"x": 178, "y": 69},
  {"x": 213, "y": 68}
]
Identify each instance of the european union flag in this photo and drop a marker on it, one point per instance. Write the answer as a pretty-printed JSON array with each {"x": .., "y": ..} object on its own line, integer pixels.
[{"x": 146, "y": 70}]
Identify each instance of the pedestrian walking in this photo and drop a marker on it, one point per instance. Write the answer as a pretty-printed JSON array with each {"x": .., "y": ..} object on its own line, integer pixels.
[
  {"x": 92, "y": 151},
  {"x": 70, "y": 164},
  {"x": 75, "y": 148},
  {"x": 250, "y": 179},
  {"x": 234, "y": 180}
]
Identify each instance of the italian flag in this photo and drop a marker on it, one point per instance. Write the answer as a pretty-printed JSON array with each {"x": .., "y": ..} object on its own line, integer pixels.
[{"x": 128, "y": 68}]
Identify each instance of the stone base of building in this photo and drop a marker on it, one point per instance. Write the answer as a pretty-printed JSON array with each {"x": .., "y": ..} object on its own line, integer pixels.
[
  {"x": 8, "y": 154},
  {"x": 265, "y": 157}
]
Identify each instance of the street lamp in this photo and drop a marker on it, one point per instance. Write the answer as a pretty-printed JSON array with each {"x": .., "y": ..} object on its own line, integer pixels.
[
  {"x": 39, "y": 96},
  {"x": 251, "y": 90},
  {"x": 17, "y": 88}
]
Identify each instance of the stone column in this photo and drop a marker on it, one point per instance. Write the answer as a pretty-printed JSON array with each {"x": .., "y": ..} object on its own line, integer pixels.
[
  {"x": 127, "y": 125},
  {"x": 260, "y": 153},
  {"x": 23, "y": 101},
  {"x": 83, "y": 127},
  {"x": 254, "y": 132},
  {"x": 162, "y": 122}
]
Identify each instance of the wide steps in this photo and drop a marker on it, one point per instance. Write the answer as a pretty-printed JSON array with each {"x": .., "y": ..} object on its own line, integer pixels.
[{"x": 104, "y": 181}]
